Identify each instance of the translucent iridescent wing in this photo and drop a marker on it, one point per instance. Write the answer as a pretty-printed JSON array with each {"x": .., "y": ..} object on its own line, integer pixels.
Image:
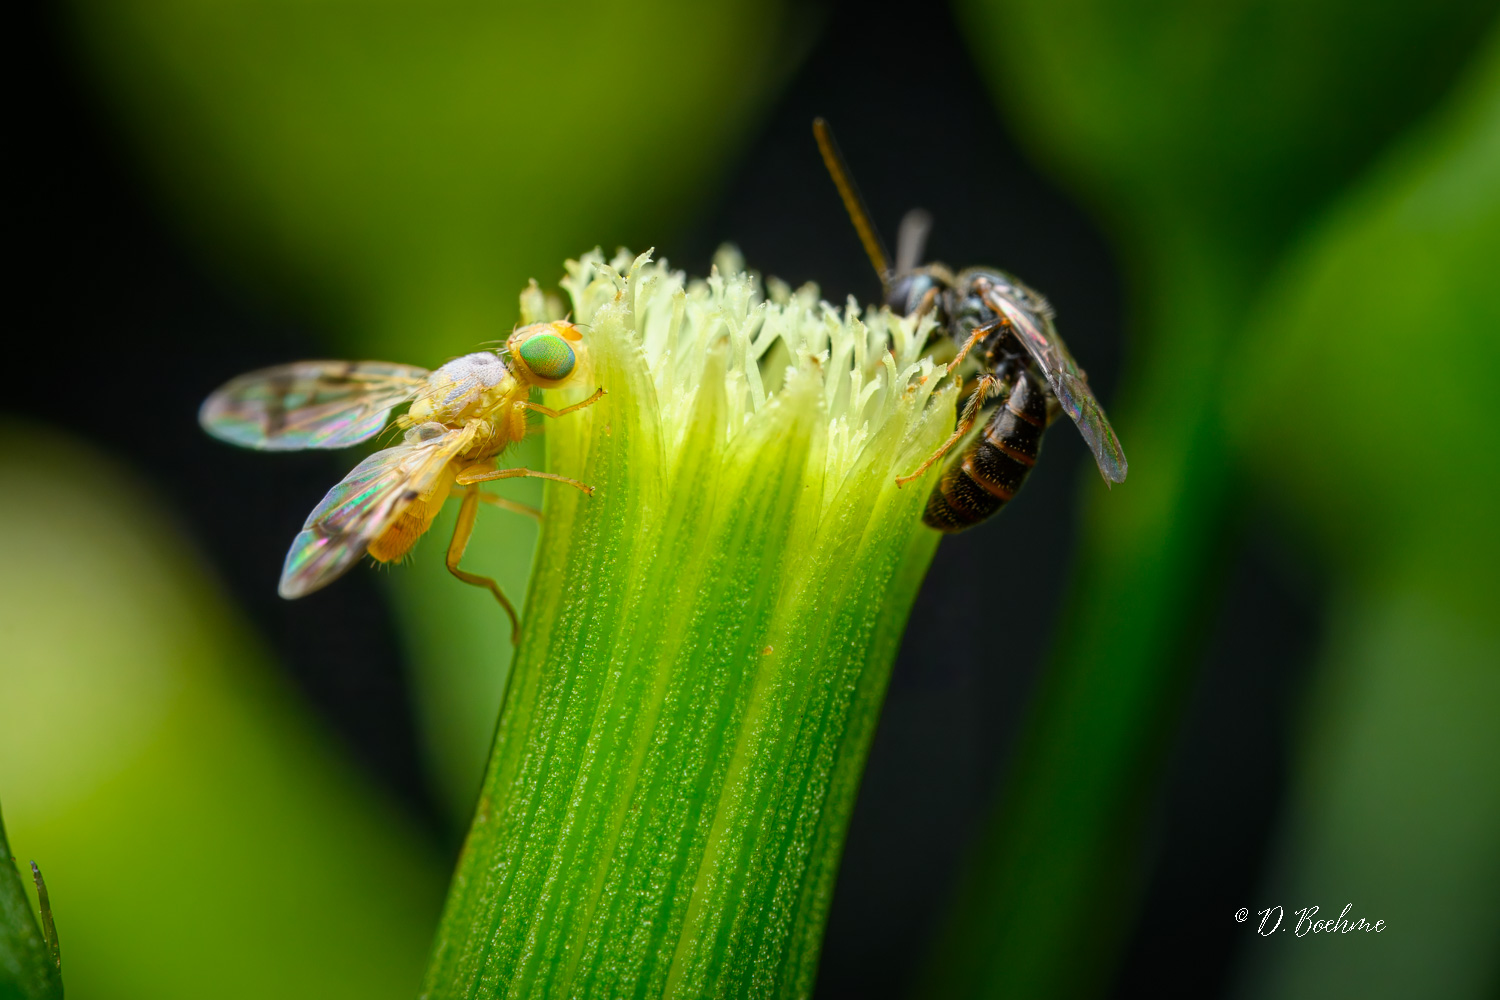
[
  {"x": 1034, "y": 329},
  {"x": 309, "y": 404},
  {"x": 367, "y": 502},
  {"x": 911, "y": 240}
]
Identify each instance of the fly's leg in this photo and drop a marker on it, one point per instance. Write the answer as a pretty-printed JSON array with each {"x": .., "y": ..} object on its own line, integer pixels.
[
  {"x": 479, "y": 474},
  {"x": 547, "y": 411},
  {"x": 971, "y": 413},
  {"x": 515, "y": 507},
  {"x": 461, "y": 534}
]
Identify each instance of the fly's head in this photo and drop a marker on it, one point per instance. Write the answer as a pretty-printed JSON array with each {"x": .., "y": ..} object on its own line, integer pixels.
[{"x": 546, "y": 354}]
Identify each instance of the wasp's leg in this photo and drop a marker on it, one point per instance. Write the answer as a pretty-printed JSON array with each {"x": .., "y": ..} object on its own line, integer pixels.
[
  {"x": 549, "y": 412},
  {"x": 515, "y": 507},
  {"x": 980, "y": 332},
  {"x": 928, "y": 301},
  {"x": 971, "y": 412},
  {"x": 467, "y": 512},
  {"x": 479, "y": 474},
  {"x": 969, "y": 387}
]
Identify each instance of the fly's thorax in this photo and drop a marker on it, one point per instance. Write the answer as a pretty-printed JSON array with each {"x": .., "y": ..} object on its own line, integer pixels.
[{"x": 463, "y": 387}]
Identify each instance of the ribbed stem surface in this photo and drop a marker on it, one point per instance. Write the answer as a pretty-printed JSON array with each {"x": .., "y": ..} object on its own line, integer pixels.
[{"x": 707, "y": 643}]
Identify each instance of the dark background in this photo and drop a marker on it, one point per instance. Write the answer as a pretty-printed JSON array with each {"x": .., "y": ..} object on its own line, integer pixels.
[{"x": 110, "y": 307}]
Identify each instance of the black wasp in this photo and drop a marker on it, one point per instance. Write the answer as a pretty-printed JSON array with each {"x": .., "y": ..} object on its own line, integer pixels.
[{"x": 1026, "y": 372}]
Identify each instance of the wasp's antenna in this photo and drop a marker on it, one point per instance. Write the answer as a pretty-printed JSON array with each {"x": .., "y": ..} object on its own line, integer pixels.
[{"x": 858, "y": 214}]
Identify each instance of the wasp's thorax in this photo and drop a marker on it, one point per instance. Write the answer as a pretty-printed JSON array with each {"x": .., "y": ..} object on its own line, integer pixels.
[
  {"x": 966, "y": 295},
  {"x": 957, "y": 302}
]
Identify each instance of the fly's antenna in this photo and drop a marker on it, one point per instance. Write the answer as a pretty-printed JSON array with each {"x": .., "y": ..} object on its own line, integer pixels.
[{"x": 853, "y": 204}]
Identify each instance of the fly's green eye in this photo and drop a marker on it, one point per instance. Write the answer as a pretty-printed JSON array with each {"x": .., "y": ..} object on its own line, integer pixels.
[{"x": 549, "y": 356}]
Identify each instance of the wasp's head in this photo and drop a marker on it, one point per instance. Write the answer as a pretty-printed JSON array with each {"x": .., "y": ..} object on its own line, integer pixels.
[
  {"x": 918, "y": 291},
  {"x": 546, "y": 354}
]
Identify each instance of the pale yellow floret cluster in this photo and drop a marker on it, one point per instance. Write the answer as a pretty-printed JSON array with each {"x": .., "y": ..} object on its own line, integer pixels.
[{"x": 865, "y": 362}]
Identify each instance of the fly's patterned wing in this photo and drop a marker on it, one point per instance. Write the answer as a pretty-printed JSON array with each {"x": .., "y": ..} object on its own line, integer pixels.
[
  {"x": 367, "y": 502},
  {"x": 1034, "y": 329},
  {"x": 309, "y": 404}
]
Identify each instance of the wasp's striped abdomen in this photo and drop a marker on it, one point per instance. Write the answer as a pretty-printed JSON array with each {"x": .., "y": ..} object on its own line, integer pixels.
[{"x": 991, "y": 470}]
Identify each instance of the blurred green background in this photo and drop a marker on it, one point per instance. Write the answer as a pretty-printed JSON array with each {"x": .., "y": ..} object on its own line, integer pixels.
[{"x": 1301, "y": 208}]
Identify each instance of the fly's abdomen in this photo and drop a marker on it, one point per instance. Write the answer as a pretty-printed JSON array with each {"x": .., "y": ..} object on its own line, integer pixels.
[
  {"x": 412, "y": 523},
  {"x": 990, "y": 471}
]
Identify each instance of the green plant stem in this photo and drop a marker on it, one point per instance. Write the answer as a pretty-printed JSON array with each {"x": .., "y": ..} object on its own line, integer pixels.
[{"x": 707, "y": 643}]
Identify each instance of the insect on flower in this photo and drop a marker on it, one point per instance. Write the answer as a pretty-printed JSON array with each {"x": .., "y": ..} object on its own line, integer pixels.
[
  {"x": 461, "y": 418},
  {"x": 1026, "y": 371}
]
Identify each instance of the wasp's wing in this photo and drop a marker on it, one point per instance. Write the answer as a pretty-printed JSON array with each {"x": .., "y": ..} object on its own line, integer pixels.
[
  {"x": 362, "y": 506},
  {"x": 309, "y": 404},
  {"x": 1035, "y": 330},
  {"x": 911, "y": 240}
]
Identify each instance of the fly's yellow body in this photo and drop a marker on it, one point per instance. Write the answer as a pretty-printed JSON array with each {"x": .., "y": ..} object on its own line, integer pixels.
[{"x": 462, "y": 417}]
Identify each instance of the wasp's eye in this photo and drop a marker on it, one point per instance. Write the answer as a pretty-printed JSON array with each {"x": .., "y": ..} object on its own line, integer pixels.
[
  {"x": 906, "y": 295},
  {"x": 548, "y": 356}
]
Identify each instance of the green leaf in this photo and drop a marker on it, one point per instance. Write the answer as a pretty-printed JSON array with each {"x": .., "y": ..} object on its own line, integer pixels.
[
  {"x": 30, "y": 962},
  {"x": 1383, "y": 330},
  {"x": 1231, "y": 121},
  {"x": 1204, "y": 135},
  {"x": 400, "y": 169},
  {"x": 1396, "y": 288},
  {"x": 201, "y": 836}
]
